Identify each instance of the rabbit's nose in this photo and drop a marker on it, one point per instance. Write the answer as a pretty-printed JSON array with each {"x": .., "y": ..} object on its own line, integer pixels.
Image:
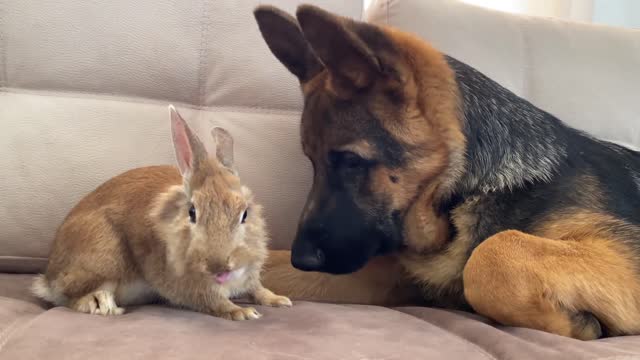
[{"x": 217, "y": 267}]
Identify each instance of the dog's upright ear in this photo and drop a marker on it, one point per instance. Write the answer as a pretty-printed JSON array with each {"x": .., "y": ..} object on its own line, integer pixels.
[
  {"x": 285, "y": 40},
  {"x": 350, "y": 61}
]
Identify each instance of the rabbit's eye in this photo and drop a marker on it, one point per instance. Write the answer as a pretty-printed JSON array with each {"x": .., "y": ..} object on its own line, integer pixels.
[
  {"x": 244, "y": 216},
  {"x": 192, "y": 214}
]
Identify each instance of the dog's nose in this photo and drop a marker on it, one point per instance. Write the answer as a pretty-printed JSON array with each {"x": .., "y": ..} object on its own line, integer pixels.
[
  {"x": 306, "y": 256},
  {"x": 312, "y": 261}
]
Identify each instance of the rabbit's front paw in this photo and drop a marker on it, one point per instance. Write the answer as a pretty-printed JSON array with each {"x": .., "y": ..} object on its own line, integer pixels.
[
  {"x": 99, "y": 302},
  {"x": 263, "y": 296},
  {"x": 240, "y": 313},
  {"x": 276, "y": 301}
]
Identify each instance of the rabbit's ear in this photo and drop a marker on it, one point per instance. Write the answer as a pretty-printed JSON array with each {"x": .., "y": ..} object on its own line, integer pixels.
[
  {"x": 189, "y": 150},
  {"x": 224, "y": 146}
]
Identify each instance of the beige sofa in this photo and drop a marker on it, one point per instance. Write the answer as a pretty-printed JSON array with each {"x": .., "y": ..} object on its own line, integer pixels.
[{"x": 84, "y": 87}]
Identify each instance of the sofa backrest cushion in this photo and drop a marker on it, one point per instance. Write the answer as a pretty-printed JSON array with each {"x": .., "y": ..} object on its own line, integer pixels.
[
  {"x": 84, "y": 90},
  {"x": 586, "y": 75}
]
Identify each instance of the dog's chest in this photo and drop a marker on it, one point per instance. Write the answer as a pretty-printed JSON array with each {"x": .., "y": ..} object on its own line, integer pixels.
[{"x": 440, "y": 273}]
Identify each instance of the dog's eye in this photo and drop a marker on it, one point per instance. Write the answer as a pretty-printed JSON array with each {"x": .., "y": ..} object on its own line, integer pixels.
[
  {"x": 244, "y": 216},
  {"x": 346, "y": 159},
  {"x": 192, "y": 214}
]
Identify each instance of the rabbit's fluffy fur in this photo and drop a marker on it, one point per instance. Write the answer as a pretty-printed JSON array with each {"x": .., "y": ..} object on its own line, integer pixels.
[{"x": 133, "y": 239}]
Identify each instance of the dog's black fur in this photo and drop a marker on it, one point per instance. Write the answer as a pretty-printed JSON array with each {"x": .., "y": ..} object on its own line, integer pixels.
[{"x": 525, "y": 163}]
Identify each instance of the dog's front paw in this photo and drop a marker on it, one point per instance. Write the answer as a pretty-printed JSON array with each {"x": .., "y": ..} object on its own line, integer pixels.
[{"x": 240, "y": 314}]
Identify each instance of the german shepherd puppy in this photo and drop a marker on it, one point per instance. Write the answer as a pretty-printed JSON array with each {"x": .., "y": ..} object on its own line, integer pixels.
[{"x": 475, "y": 195}]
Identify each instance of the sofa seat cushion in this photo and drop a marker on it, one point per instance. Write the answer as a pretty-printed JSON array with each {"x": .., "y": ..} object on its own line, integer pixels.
[
  {"x": 306, "y": 331},
  {"x": 504, "y": 342},
  {"x": 15, "y": 317},
  {"x": 16, "y": 287},
  {"x": 17, "y": 306}
]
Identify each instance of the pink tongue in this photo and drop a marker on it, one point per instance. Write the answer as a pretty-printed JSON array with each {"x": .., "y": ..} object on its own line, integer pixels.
[{"x": 223, "y": 277}]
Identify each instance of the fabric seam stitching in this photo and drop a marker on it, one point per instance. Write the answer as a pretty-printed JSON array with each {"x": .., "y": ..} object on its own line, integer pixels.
[
  {"x": 204, "y": 27},
  {"x": 3, "y": 40},
  {"x": 388, "y": 4},
  {"x": 526, "y": 76},
  {"x": 6, "y": 335},
  {"x": 143, "y": 100}
]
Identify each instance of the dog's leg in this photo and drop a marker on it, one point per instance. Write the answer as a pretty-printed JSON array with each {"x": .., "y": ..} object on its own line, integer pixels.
[
  {"x": 380, "y": 282},
  {"x": 566, "y": 287}
]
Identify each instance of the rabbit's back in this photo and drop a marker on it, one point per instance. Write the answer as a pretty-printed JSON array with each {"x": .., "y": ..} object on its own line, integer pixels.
[{"x": 95, "y": 235}]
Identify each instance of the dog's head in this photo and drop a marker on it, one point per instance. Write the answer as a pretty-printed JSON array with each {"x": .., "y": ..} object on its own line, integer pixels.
[{"x": 380, "y": 125}]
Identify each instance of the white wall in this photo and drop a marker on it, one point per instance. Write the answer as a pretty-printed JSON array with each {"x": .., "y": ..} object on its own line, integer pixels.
[
  {"x": 624, "y": 13},
  {"x": 617, "y": 12}
]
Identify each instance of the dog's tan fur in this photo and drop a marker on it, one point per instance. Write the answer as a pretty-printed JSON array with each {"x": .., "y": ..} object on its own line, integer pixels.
[
  {"x": 547, "y": 280},
  {"x": 381, "y": 282},
  {"x": 131, "y": 241}
]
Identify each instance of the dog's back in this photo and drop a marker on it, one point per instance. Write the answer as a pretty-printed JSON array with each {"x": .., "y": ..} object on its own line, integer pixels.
[{"x": 534, "y": 165}]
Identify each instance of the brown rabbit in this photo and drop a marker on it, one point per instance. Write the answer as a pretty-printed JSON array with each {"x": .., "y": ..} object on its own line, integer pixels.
[{"x": 191, "y": 235}]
